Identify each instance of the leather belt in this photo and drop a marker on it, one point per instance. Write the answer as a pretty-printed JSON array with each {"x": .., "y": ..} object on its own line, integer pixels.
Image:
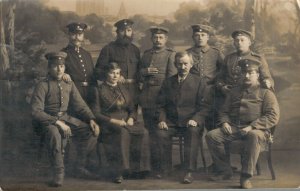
[
  {"x": 58, "y": 114},
  {"x": 83, "y": 84}
]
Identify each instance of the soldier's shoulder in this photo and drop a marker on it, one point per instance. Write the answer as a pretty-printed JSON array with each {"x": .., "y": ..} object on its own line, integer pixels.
[
  {"x": 65, "y": 49},
  {"x": 170, "y": 49},
  {"x": 111, "y": 44},
  {"x": 264, "y": 90},
  {"x": 190, "y": 49},
  {"x": 234, "y": 53},
  {"x": 135, "y": 46},
  {"x": 42, "y": 83},
  {"x": 148, "y": 51},
  {"x": 216, "y": 49},
  {"x": 257, "y": 55}
]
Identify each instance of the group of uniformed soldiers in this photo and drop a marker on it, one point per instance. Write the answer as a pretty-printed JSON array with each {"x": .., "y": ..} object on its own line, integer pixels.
[{"x": 179, "y": 92}]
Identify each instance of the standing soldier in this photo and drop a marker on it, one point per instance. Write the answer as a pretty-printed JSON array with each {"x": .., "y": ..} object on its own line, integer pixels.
[
  {"x": 157, "y": 64},
  {"x": 79, "y": 63},
  {"x": 208, "y": 62},
  {"x": 231, "y": 72},
  {"x": 125, "y": 53},
  {"x": 50, "y": 111}
]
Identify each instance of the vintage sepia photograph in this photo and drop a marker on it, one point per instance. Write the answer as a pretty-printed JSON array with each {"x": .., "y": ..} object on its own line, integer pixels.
[{"x": 149, "y": 94}]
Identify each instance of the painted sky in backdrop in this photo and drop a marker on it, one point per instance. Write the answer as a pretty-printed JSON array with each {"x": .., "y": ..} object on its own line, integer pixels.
[{"x": 150, "y": 7}]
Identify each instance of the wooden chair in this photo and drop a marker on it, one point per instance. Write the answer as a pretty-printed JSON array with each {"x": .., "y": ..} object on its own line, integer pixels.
[
  {"x": 236, "y": 147},
  {"x": 178, "y": 139}
]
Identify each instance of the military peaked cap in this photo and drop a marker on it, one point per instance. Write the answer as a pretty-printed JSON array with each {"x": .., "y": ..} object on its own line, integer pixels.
[
  {"x": 56, "y": 58},
  {"x": 202, "y": 28},
  {"x": 242, "y": 32},
  {"x": 76, "y": 27},
  {"x": 121, "y": 24},
  {"x": 248, "y": 64},
  {"x": 159, "y": 30}
]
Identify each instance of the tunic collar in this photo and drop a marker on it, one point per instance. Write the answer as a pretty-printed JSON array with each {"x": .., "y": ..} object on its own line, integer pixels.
[
  {"x": 251, "y": 89},
  {"x": 202, "y": 49},
  {"x": 156, "y": 50}
]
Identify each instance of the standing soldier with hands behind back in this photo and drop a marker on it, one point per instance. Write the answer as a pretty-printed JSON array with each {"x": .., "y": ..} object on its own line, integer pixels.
[
  {"x": 157, "y": 64},
  {"x": 50, "y": 111}
]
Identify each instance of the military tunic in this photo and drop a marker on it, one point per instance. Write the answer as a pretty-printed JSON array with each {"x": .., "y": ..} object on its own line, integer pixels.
[
  {"x": 79, "y": 65},
  {"x": 163, "y": 60},
  {"x": 208, "y": 62},
  {"x": 50, "y": 102},
  {"x": 231, "y": 72},
  {"x": 256, "y": 107},
  {"x": 127, "y": 56}
]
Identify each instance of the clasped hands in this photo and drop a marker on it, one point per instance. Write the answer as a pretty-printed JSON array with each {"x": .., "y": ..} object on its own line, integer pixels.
[
  {"x": 122, "y": 122},
  {"x": 226, "y": 128}
]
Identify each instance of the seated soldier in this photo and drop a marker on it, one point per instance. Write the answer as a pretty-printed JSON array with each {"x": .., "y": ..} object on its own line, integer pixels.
[
  {"x": 183, "y": 106},
  {"x": 248, "y": 113},
  {"x": 50, "y": 102}
]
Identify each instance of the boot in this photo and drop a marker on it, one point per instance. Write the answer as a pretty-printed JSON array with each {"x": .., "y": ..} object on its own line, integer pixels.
[{"x": 58, "y": 178}]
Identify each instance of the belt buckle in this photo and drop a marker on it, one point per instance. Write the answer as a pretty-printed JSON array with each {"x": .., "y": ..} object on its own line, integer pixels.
[
  {"x": 85, "y": 83},
  {"x": 59, "y": 114}
]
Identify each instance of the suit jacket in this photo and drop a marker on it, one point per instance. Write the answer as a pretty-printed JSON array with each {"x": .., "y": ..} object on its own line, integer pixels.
[{"x": 179, "y": 103}]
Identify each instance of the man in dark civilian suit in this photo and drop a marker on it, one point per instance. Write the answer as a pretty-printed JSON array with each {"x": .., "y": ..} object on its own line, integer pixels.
[{"x": 183, "y": 105}]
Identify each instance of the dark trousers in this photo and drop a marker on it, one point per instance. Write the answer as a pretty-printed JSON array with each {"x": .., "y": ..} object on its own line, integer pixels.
[
  {"x": 126, "y": 151},
  {"x": 83, "y": 138},
  {"x": 150, "y": 121},
  {"x": 218, "y": 99},
  {"x": 191, "y": 143},
  {"x": 216, "y": 141}
]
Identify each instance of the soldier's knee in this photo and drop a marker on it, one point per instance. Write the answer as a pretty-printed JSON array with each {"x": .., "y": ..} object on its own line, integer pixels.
[
  {"x": 52, "y": 131},
  {"x": 193, "y": 130},
  {"x": 254, "y": 135},
  {"x": 209, "y": 135},
  {"x": 162, "y": 134}
]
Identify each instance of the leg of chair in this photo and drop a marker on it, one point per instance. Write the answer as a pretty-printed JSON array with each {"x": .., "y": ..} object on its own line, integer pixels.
[
  {"x": 258, "y": 169},
  {"x": 270, "y": 164},
  {"x": 202, "y": 155},
  {"x": 181, "y": 150}
]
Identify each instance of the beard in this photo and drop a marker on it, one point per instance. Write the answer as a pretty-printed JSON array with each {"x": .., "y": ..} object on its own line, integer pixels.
[{"x": 125, "y": 40}]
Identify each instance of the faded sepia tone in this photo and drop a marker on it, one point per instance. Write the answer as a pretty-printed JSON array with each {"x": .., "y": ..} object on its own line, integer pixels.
[{"x": 30, "y": 28}]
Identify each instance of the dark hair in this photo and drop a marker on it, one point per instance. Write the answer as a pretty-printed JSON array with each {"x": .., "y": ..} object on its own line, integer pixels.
[
  {"x": 182, "y": 54},
  {"x": 111, "y": 66}
]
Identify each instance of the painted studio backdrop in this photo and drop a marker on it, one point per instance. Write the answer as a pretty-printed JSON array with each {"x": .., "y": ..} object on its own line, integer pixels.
[{"x": 31, "y": 28}]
